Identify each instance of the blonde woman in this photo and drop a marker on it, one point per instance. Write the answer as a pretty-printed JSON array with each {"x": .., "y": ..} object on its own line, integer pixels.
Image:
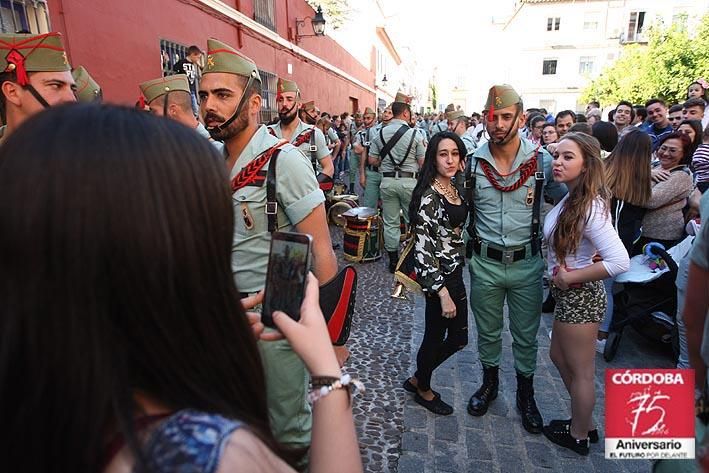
[{"x": 578, "y": 228}]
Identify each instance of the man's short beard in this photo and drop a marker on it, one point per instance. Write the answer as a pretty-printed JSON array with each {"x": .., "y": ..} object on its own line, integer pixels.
[
  {"x": 286, "y": 119},
  {"x": 234, "y": 128},
  {"x": 307, "y": 119}
]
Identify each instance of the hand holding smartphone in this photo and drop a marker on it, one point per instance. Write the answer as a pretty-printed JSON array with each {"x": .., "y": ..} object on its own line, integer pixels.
[{"x": 288, "y": 266}]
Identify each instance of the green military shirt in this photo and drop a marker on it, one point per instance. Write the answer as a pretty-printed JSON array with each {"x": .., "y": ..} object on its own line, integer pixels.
[
  {"x": 469, "y": 143},
  {"x": 297, "y": 193},
  {"x": 505, "y": 218},
  {"x": 398, "y": 152},
  {"x": 322, "y": 152},
  {"x": 332, "y": 134},
  {"x": 438, "y": 127}
]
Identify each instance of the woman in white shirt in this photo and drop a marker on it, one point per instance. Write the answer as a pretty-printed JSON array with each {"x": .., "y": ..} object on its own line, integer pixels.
[{"x": 578, "y": 228}]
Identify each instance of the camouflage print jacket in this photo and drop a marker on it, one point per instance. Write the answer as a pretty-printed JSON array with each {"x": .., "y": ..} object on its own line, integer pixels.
[{"x": 438, "y": 250}]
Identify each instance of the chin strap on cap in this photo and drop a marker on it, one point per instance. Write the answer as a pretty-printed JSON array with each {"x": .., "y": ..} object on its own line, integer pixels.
[{"x": 242, "y": 102}]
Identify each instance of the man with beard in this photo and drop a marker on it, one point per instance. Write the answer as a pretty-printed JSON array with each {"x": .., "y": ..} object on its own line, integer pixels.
[
  {"x": 308, "y": 138},
  {"x": 369, "y": 177},
  {"x": 35, "y": 75},
  {"x": 398, "y": 151},
  {"x": 230, "y": 105},
  {"x": 170, "y": 97},
  {"x": 505, "y": 187},
  {"x": 458, "y": 124},
  {"x": 308, "y": 113}
]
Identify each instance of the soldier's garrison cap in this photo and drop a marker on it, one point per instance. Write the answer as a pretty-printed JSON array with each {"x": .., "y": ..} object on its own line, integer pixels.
[
  {"x": 155, "y": 88},
  {"x": 402, "y": 98},
  {"x": 87, "y": 89},
  {"x": 23, "y": 53},
  {"x": 308, "y": 106},
  {"x": 455, "y": 114},
  {"x": 223, "y": 58},
  {"x": 285, "y": 85},
  {"x": 500, "y": 96},
  {"x": 369, "y": 111}
]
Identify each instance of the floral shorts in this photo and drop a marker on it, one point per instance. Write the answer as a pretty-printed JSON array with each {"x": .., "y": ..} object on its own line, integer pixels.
[{"x": 583, "y": 305}]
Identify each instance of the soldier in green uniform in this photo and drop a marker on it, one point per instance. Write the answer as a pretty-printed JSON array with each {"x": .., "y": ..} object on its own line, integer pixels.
[
  {"x": 35, "y": 75},
  {"x": 308, "y": 113},
  {"x": 369, "y": 176},
  {"x": 353, "y": 157},
  {"x": 442, "y": 125},
  {"x": 171, "y": 97},
  {"x": 87, "y": 89},
  {"x": 230, "y": 93},
  {"x": 458, "y": 123},
  {"x": 308, "y": 138},
  {"x": 398, "y": 151},
  {"x": 506, "y": 177}
]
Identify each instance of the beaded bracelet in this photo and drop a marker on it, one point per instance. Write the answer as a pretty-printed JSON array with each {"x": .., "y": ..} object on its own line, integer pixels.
[{"x": 346, "y": 382}]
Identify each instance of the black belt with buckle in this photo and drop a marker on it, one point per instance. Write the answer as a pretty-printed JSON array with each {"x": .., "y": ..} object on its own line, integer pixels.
[
  {"x": 400, "y": 174},
  {"x": 372, "y": 168},
  {"x": 503, "y": 256}
]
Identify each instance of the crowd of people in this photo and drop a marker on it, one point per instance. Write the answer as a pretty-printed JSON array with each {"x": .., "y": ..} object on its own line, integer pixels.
[{"x": 135, "y": 247}]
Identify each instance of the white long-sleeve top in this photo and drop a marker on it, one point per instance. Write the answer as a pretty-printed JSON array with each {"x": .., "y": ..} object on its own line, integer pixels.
[{"x": 599, "y": 236}]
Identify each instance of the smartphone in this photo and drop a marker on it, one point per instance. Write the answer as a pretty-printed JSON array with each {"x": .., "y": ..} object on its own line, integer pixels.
[{"x": 288, "y": 266}]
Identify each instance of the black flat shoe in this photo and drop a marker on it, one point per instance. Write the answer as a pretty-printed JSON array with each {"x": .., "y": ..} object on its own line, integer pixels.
[
  {"x": 559, "y": 433},
  {"x": 592, "y": 434},
  {"x": 436, "y": 405},
  {"x": 408, "y": 386}
]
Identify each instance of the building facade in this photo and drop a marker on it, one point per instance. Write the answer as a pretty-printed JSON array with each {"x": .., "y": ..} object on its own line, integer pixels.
[
  {"x": 123, "y": 43},
  {"x": 564, "y": 44}
]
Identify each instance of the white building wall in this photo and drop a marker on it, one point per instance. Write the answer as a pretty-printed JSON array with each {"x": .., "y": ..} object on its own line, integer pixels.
[{"x": 591, "y": 29}]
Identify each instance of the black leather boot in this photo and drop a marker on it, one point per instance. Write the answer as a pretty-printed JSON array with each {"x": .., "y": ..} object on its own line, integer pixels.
[
  {"x": 393, "y": 259},
  {"x": 480, "y": 401},
  {"x": 531, "y": 418}
]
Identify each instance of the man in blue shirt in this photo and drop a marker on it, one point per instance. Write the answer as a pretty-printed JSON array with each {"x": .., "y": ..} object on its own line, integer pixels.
[{"x": 657, "y": 125}]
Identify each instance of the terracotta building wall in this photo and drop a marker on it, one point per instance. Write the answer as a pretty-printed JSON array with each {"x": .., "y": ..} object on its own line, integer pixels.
[{"x": 119, "y": 43}]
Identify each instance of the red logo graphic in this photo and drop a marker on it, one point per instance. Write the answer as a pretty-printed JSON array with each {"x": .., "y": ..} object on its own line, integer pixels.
[{"x": 649, "y": 413}]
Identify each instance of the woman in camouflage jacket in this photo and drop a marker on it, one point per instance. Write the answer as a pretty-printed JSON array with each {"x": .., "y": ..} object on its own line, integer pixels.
[{"x": 437, "y": 214}]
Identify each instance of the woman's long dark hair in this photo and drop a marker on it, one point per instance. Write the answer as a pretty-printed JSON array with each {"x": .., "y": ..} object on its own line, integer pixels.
[
  {"x": 428, "y": 170},
  {"x": 698, "y": 130},
  {"x": 115, "y": 278}
]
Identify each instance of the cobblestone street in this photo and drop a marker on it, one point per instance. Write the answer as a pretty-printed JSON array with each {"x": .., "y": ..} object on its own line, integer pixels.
[{"x": 397, "y": 435}]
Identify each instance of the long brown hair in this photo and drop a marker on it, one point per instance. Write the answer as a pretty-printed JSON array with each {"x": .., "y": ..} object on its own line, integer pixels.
[
  {"x": 628, "y": 169},
  {"x": 577, "y": 208}
]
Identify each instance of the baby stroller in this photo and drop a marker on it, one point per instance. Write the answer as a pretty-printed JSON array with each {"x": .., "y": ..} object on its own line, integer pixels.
[{"x": 648, "y": 302}]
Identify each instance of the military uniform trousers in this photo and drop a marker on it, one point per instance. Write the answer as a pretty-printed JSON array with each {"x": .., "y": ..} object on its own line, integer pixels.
[
  {"x": 354, "y": 167},
  {"x": 371, "y": 188},
  {"x": 287, "y": 381},
  {"x": 396, "y": 196},
  {"x": 520, "y": 283}
]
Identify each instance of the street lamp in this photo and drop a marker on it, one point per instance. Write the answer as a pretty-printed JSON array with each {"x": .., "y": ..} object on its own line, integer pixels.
[
  {"x": 384, "y": 80},
  {"x": 317, "y": 22}
]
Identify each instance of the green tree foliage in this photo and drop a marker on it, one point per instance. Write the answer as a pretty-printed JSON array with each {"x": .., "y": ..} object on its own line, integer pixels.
[
  {"x": 673, "y": 58},
  {"x": 335, "y": 11}
]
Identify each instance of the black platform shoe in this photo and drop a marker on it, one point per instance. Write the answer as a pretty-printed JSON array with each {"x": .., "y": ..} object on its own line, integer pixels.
[
  {"x": 592, "y": 434},
  {"x": 531, "y": 418},
  {"x": 559, "y": 432},
  {"x": 480, "y": 401}
]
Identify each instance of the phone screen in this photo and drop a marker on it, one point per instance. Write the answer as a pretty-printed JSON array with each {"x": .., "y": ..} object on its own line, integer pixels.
[{"x": 288, "y": 266}]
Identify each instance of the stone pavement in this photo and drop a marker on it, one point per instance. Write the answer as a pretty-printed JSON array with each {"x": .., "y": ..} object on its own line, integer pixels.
[
  {"x": 497, "y": 442},
  {"x": 396, "y": 434}
]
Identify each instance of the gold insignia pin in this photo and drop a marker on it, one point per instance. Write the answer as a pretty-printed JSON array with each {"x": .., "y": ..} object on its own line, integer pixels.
[
  {"x": 530, "y": 197},
  {"x": 210, "y": 61},
  {"x": 66, "y": 60},
  {"x": 246, "y": 215},
  {"x": 498, "y": 101}
]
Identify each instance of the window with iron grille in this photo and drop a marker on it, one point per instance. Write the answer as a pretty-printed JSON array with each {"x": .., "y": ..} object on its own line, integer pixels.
[
  {"x": 265, "y": 13},
  {"x": 549, "y": 67},
  {"x": 171, "y": 53},
  {"x": 24, "y": 15},
  {"x": 269, "y": 108}
]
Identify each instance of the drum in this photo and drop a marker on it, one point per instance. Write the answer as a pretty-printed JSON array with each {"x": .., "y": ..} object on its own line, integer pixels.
[
  {"x": 339, "y": 205},
  {"x": 363, "y": 235},
  {"x": 339, "y": 189}
]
